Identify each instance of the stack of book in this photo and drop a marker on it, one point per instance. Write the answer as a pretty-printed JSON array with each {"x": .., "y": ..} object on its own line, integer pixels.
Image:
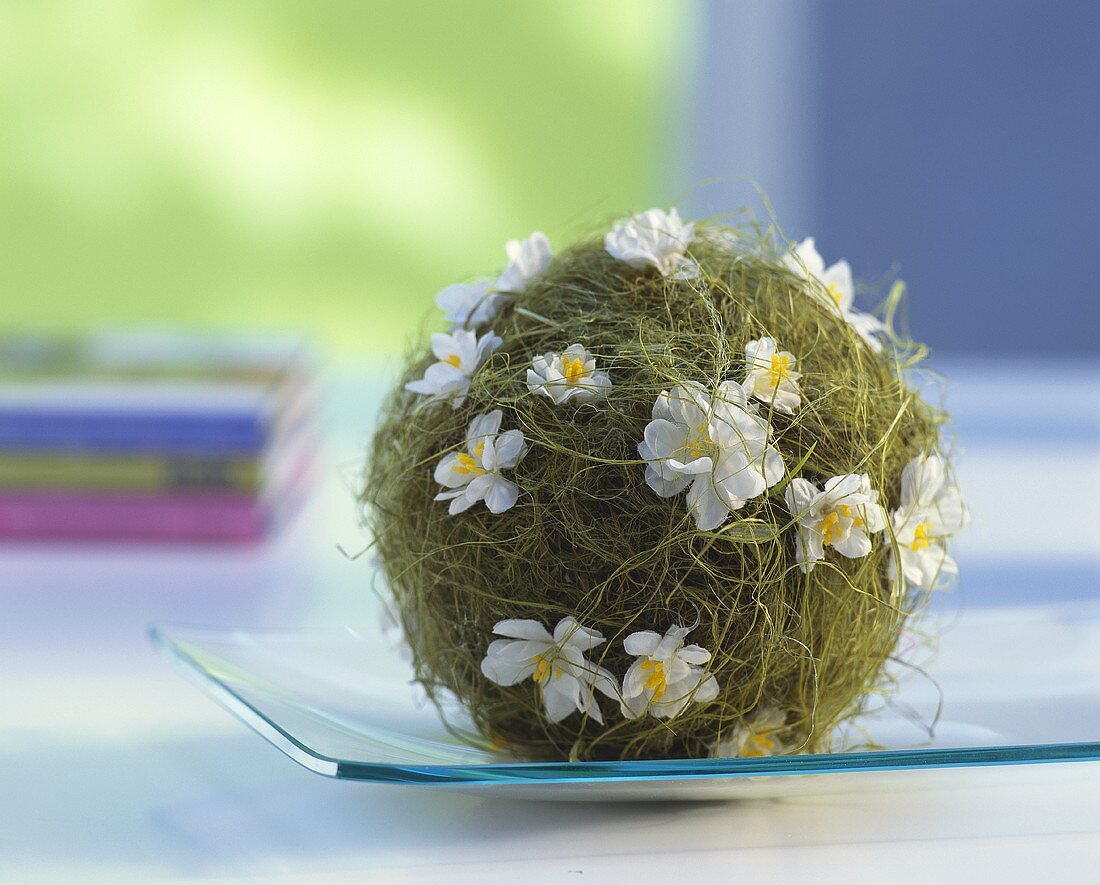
[{"x": 153, "y": 435}]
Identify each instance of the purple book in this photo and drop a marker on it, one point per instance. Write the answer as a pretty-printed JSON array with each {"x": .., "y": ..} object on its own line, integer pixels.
[{"x": 179, "y": 516}]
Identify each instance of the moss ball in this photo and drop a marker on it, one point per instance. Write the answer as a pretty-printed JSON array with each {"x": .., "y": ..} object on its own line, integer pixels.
[{"x": 588, "y": 538}]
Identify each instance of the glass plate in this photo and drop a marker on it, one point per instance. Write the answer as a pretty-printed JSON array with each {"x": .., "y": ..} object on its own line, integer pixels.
[{"x": 1018, "y": 685}]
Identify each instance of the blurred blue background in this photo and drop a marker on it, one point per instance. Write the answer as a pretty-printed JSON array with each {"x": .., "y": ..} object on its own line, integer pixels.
[{"x": 955, "y": 143}]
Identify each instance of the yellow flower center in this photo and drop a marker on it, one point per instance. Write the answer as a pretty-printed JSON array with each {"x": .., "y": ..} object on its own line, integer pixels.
[
  {"x": 781, "y": 365},
  {"x": 857, "y": 520},
  {"x": 572, "y": 367},
  {"x": 544, "y": 669},
  {"x": 657, "y": 681},
  {"x": 830, "y": 527},
  {"x": 467, "y": 464},
  {"x": 834, "y": 293},
  {"x": 700, "y": 444},
  {"x": 921, "y": 539},
  {"x": 760, "y": 744},
  {"x": 453, "y": 360}
]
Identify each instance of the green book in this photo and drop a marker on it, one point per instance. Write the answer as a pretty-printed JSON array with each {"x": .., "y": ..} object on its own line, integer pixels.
[{"x": 137, "y": 473}]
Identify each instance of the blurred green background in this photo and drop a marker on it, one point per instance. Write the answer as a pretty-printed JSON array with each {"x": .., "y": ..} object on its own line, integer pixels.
[{"x": 325, "y": 165}]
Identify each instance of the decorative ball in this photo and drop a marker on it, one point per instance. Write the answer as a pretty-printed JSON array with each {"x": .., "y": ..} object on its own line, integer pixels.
[{"x": 664, "y": 494}]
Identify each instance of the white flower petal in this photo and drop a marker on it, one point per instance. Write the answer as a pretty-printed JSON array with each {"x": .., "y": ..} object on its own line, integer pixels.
[
  {"x": 460, "y": 353},
  {"x": 486, "y": 344},
  {"x": 643, "y": 642},
  {"x": 840, "y": 487},
  {"x": 561, "y": 697},
  {"x": 804, "y": 260},
  {"x": 931, "y": 568},
  {"x": 688, "y": 403},
  {"x": 706, "y": 505},
  {"x": 758, "y": 353},
  {"x": 634, "y": 706},
  {"x": 932, "y": 504},
  {"x": 837, "y": 279},
  {"x": 674, "y": 701},
  {"x": 502, "y": 669},
  {"x": 527, "y": 258},
  {"x": 867, "y": 326},
  {"x": 516, "y": 651},
  {"x": 694, "y": 654},
  {"x": 653, "y": 239},
  {"x": 510, "y": 449},
  {"x": 771, "y": 376},
  {"x": 666, "y": 487},
  {"x": 523, "y": 628},
  {"x": 842, "y": 516},
  {"x": 566, "y": 679},
  {"x": 635, "y": 679},
  {"x": 707, "y": 690},
  {"x": 925, "y": 487},
  {"x": 605, "y": 683},
  {"x": 447, "y": 344},
  {"x": 571, "y": 632},
  {"x": 799, "y": 495},
  {"x": 854, "y": 545},
  {"x": 501, "y": 494},
  {"x": 598, "y": 384},
  {"x": 671, "y": 642},
  {"x": 947, "y": 571},
  {"x": 809, "y": 548},
  {"x": 664, "y": 438},
  {"x": 588, "y": 704},
  {"x": 442, "y": 381},
  {"x": 694, "y": 467},
  {"x": 873, "y": 516},
  {"x": 676, "y": 668},
  {"x": 461, "y": 503},
  {"x": 921, "y": 481},
  {"x": 774, "y": 468},
  {"x": 785, "y": 399},
  {"x": 445, "y": 473},
  {"x": 480, "y": 486},
  {"x": 739, "y": 480},
  {"x": 949, "y": 512},
  {"x": 472, "y": 304},
  {"x": 483, "y": 426}
]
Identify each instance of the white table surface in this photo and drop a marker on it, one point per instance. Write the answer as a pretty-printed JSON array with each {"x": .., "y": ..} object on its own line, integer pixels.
[{"x": 112, "y": 768}]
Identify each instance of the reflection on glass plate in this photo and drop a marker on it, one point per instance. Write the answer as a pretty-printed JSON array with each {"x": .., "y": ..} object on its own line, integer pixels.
[{"x": 1019, "y": 685}]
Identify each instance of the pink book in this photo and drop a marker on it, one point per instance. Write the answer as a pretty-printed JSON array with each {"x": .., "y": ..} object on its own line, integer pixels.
[{"x": 177, "y": 517}]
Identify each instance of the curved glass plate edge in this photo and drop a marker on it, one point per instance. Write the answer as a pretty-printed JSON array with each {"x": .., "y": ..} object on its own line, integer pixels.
[
  {"x": 615, "y": 771},
  {"x": 240, "y": 708}
]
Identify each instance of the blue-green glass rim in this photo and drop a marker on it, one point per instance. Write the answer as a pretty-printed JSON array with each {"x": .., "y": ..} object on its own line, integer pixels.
[{"x": 617, "y": 771}]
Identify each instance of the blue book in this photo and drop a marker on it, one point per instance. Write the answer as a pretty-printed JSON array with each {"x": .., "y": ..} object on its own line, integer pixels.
[{"x": 152, "y": 393}]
